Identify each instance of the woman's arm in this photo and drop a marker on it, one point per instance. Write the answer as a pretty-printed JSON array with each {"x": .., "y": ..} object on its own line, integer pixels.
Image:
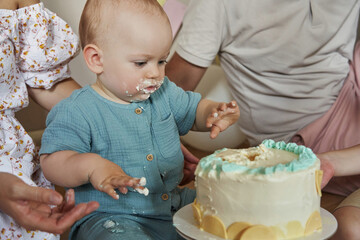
[
  {"x": 16, "y": 4},
  {"x": 49, "y": 98}
]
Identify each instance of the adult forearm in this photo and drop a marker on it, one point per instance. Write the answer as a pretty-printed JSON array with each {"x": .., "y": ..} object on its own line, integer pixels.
[
  {"x": 24, "y": 3},
  {"x": 184, "y": 74},
  {"x": 69, "y": 168},
  {"x": 346, "y": 162},
  {"x": 49, "y": 98},
  {"x": 16, "y": 4}
]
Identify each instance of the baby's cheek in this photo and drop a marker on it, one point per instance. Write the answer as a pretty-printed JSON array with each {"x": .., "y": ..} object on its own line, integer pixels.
[{"x": 130, "y": 88}]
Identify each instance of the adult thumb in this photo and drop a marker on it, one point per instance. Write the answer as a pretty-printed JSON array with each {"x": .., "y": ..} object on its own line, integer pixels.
[{"x": 38, "y": 194}]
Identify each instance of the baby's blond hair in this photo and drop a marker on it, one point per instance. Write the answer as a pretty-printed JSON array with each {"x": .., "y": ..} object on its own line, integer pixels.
[{"x": 92, "y": 29}]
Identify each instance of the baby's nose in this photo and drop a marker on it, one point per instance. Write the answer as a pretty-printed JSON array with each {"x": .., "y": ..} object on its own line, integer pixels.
[{"x": 154, "y": 72}]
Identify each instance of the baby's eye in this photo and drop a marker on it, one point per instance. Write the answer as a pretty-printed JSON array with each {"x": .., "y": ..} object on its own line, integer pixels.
[
  {"x": 161, "y": 62},
  {"x": 140, "y": 63}
]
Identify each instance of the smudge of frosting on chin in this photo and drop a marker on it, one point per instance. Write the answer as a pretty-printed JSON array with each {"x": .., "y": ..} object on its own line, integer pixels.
[{"x": 128, "y": 94}]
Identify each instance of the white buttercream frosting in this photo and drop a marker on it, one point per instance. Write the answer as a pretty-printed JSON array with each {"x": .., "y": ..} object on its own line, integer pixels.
[
  {"x": 257, "y": 156},
  {"x": 271, "y": 198}
]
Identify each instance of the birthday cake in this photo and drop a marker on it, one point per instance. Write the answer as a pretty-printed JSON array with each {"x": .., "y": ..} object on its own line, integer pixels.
[{"x": 271, "y": 191}]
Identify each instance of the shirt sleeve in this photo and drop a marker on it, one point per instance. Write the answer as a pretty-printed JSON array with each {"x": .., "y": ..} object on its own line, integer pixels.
[
  {"x": 66, "y": 129},
  {"x": 183, "y": 105},
  {"x": 46, "y": 45},
  {"x": 201, "y": 34}
]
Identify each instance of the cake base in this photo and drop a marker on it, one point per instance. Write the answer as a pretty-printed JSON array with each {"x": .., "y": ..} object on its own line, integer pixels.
[{"x": 186, "y": 226}]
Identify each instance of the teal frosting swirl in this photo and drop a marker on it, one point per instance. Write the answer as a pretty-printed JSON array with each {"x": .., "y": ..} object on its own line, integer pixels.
[{"x": 306, "y": 159}]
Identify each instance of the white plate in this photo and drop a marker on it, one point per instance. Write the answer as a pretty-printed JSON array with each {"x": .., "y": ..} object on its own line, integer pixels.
[{"x": 185, "y": 225}]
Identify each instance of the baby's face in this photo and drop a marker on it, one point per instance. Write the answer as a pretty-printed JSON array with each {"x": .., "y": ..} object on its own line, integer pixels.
[{"x": 135, "y": 55}]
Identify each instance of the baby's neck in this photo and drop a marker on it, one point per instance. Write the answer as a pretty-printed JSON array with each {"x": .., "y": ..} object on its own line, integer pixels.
[{"x": 105, "y": 93}]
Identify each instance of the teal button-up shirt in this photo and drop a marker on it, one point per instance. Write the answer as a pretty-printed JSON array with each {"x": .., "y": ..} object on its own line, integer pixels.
[{"x": 143, "y": 138}]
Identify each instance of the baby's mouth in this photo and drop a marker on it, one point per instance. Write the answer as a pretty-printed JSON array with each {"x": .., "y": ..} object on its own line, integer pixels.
[
  {"x": 150, "y": 89},
  {"x": 149, "y": 86}
]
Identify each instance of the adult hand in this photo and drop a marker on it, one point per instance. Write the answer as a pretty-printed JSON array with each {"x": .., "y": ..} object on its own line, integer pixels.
[
  {"x": 29, "y": 206},
  {"x": 328, "y": 171},
  {"x": 190, "y": 163}
]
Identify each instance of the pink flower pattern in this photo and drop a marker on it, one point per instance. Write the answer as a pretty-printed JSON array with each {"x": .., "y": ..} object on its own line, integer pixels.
[{"x": 35, "y": 48}]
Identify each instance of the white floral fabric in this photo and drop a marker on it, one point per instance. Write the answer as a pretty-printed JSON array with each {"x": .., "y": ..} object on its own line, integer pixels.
[{"x": 35, "y": 48}]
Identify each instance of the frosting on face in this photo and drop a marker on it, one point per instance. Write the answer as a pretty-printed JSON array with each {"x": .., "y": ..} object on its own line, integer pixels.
[
  {"x": 144, "y": 89},
  {"x": 149, "y": 86},
  {"x": 268, "y": 158}
]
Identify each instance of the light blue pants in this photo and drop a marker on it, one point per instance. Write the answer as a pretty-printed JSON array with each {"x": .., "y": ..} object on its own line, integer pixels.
[
  {"x": 116, "y": 227},
  {"x": 109, "y": 226}
]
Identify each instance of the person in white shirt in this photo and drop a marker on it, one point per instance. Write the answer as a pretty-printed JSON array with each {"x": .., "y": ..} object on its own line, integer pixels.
[{"x": 291, "y": 67}]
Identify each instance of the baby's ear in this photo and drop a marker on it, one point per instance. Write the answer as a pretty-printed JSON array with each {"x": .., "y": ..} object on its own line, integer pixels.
[{"x": 93, "y": 58}]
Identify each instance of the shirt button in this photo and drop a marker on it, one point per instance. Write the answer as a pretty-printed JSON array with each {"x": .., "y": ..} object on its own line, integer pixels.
[
  {"x": 150, "y": 157},
  {"x": 164, "y": 197},
  {"x": 138, "y": 111}
]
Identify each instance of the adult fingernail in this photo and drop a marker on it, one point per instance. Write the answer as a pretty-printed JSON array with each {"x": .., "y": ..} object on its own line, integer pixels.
[
  {"x": 23, "y": 202},
  {"x": 67, "y": 197},
  {"x": 54, "y": 199}
]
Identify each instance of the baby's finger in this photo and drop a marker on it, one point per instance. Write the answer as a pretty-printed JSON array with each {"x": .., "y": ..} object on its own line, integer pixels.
[
  {"x": 140, "y": 187},
  {"x": 135, "y": 182},
  {"x": 215, "y": 112},
  {"x": 222, "y": 106},
  {"x": 212, "y": 118},
  {"x": 124, "y": 181},
  {"x": 210, "y": 121},
  {"x": 215, "y": 130},
  {"x": 108, "y": 189},
  {"x": 123, "y": 190},
  {"x": 232, "y": 104},
  {"x": 142, "y": 190},
  {"x": 231, "y": 107}
]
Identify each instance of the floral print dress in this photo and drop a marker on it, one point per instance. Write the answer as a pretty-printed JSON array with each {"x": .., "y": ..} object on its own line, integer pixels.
[{"x": 35, "y": 48}]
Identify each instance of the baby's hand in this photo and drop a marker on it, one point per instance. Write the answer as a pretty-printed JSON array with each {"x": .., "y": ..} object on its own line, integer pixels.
[
  {"x": 108, "y": 177},
  {"x": 222, "y": 117}
]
